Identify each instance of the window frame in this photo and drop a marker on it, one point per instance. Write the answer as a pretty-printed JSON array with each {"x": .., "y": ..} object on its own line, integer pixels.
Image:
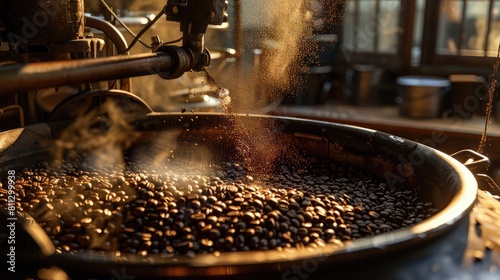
[
  {"x": 447, "y": 62},
  {"x": 431, "y": 62},
  {"x": 399, "y": 60}
]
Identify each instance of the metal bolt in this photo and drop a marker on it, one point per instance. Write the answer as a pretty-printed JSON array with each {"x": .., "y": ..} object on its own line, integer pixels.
[
  {"x": 211, "y": 16},
  {"x": 175, "y": 10},
  {"x": 156, "y": 41}
]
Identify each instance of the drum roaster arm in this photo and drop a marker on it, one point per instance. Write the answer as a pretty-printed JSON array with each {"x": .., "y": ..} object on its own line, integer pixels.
[{"x": 169, "y": 64}]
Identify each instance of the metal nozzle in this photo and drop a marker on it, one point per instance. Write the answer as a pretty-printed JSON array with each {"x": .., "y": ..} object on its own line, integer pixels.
[{"x": 194, "y": 18}]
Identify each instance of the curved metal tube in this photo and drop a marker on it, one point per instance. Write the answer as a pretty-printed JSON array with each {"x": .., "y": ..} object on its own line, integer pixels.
[
  {"x": 116, "y": 37},
  {"x": 32, "y": 76},
  {"x": 109, "y": 30}
]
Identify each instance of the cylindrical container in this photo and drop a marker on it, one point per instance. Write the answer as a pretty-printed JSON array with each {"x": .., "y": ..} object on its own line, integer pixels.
[
  {"x": 362, "y": 81},
  {"x": 438, "y": 178},
  {"x": 421, "y": 96},
  {"x": 465, "y": 97}
]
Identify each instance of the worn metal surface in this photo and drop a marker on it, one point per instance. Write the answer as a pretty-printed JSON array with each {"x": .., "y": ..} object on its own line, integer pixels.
[{"x": 32, "y": 76}]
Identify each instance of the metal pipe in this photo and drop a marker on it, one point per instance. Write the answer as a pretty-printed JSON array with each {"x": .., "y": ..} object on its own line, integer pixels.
[
  {"x": 116, "y": 37},
  {"x": 38, "y": 75}
]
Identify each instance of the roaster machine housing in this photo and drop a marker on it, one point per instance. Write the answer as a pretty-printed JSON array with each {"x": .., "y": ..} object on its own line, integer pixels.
[{"x": 46, "y": 47}]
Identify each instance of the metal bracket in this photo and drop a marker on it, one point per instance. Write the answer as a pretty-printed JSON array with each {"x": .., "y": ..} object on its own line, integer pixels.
[{"x": 473, "y": 160}]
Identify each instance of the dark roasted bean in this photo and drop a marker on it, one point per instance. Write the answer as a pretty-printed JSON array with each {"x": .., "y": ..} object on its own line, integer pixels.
[
  {"x": 188, "y": 214},
  {"x": 272, "y": 202},
  {"x": 214, "y": 234},
  {"x": 228, "y": 242},
  {"x": 249, "y": 216}
]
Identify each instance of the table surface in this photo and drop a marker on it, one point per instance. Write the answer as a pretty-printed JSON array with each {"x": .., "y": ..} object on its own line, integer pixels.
[{"x": 389, "y": 116}]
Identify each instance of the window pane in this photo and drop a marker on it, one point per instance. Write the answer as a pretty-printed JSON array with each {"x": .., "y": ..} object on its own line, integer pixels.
[
  {"x": 494, "y": 38},
  {"x": 348, "y": 25},
  {"x": 416, "y": 51},
  {"x": 366, "y": 28},
  {"x": 449, "y": 27},
  {"x": 475, "y": 27},
  {"x": 388, "y": 26},
  {"x": 372, "y": 25}
]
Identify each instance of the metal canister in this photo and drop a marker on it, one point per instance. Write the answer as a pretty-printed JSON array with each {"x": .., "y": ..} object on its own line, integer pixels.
[{"x": 421, "y": 96}]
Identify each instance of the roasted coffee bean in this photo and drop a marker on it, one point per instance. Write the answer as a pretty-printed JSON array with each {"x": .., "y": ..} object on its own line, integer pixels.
[
  {"x": 272, "y": 202},
  {"x": 211, "y": 220},
  {"x": 249, "y": 216},
  {"x": 257, "y": 203},
  {"x": 240, "y": 226},
  {"x": 151, "y": 212},
  {"x": 214, "y": 234}
]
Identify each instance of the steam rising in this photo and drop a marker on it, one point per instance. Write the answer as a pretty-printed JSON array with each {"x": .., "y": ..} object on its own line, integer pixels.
[
  {"x": 283, "y": 33},
  {"x": 158, "y": 150},
  {"x": 285, "y": 51},
  {"x": 163, "y": 153},
  {"x": 98, "y": 137}
]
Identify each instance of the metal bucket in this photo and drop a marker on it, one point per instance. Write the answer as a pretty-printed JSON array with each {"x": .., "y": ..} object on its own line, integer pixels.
[{"x": 420, "y": 96}]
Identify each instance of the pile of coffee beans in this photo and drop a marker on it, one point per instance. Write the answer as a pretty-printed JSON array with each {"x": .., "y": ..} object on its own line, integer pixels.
[{"x": 182, "y": 210}]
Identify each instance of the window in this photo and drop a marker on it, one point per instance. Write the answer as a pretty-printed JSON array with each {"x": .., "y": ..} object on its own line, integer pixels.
[
  {"x": 461, "y": 35},
  {"x": 372, "y": 25},
  {"x": 468, "y": 28},
  {"x": 400, "y": 34},
  {"x": 374, "y": 32}
]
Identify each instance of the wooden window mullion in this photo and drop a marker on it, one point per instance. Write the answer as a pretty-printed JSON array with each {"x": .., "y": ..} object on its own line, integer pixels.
[
  {"x": 488, "y": 28},
  {"x": 461, "y": 27},
  {"x": 377, "y": 31}
]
